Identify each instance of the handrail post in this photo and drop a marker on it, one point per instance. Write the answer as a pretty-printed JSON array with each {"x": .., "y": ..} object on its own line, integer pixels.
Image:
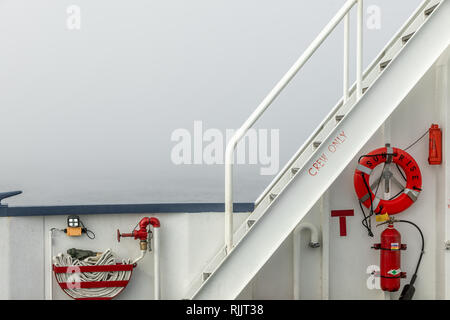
[
  {"x": 229, "y": 158},
  {"x": 346, "y": 55},
  {"x": 359, "y": 45}
]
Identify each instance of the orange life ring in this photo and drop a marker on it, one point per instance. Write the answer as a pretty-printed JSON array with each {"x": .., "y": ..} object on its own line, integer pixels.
[{"x": 409, "y": 167}]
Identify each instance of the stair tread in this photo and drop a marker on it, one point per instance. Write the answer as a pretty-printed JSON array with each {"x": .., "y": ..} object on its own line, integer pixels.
[
  {"x": 206, "y": 275},
  {"x": 407, "y": 37},
  {"x": 430, "y": 10},
  {"x": 384, "y": 64}
]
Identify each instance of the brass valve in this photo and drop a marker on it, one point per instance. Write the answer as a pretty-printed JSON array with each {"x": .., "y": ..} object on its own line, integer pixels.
[{"x": 143, "y": 245}]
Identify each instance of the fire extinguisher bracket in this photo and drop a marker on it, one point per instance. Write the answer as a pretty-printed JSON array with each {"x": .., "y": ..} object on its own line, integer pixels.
[{"x": 377, "y": 246}]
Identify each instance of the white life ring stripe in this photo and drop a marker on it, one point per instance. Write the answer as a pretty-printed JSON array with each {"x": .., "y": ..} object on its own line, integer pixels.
[
  {"x": 375, "y": 203},
  {"x": 412, "y": 194},
  {"x": 364, "y": 169}
]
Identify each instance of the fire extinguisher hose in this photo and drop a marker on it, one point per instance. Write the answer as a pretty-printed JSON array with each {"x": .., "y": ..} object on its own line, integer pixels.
[
  {"x": 408, "y": 290},
  {"x": 413, "y": 278}
]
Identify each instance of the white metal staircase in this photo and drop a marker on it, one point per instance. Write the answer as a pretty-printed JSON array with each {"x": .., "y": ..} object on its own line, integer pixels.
[{"x": 345, "y": 130}]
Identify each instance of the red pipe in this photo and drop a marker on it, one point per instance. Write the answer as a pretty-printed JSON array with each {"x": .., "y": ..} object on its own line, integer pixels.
[{"x": 142, "y": 233}]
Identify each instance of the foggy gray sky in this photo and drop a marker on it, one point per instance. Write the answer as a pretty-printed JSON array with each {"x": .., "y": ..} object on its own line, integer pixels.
[{"x": 87, "y": 115}]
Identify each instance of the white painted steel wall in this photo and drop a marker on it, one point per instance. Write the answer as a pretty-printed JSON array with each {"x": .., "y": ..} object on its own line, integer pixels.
[{"x": 188, "y": 240}]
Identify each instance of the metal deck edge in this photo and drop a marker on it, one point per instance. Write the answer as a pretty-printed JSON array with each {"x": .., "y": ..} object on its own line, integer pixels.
[{"x": 6, "y": 211}]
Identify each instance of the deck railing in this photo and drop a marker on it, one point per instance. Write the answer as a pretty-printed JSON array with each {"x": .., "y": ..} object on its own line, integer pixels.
[{"x": 342, "y": 14}]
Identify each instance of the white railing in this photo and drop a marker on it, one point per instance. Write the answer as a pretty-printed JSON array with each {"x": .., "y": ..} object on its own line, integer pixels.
[{"x": 343, "y": 13}]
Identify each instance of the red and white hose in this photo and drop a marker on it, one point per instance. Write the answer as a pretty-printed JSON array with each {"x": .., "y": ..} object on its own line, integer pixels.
[{"x": 107, "y": 258}]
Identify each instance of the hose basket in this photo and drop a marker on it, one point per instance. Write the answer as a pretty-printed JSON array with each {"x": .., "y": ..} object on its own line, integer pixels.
[{"x": 101, "y": 281}]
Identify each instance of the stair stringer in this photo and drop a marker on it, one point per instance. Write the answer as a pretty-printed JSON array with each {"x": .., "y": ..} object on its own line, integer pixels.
[{"x": 281, "y": 217}]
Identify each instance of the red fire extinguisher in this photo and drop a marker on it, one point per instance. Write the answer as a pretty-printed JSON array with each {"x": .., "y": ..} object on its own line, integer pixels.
[{"x": 390, "y": 267}]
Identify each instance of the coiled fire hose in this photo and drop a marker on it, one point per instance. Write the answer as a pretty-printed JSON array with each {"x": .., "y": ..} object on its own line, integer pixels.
[{"x": 106, "y": 258}]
